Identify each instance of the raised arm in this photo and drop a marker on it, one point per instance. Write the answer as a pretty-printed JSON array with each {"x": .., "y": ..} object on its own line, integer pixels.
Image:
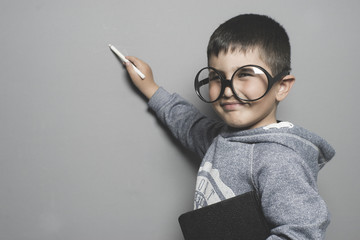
[{"x": 194, "y": 130}]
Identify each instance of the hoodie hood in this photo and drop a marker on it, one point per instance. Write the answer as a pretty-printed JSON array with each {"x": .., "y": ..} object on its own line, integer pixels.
[{"x": 315, "y": 149}]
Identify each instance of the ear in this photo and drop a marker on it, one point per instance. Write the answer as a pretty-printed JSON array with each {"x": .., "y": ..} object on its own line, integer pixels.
[{"x": 284, "y": 87}]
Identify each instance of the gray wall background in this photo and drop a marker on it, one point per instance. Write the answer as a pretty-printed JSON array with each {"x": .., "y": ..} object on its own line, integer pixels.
[{"x": 81, "y": 157}]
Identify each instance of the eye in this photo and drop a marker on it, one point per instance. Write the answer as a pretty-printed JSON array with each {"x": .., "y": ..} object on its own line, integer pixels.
[
  {"x": 214, "y": 76},
  {"x": 243, "y": 74}
]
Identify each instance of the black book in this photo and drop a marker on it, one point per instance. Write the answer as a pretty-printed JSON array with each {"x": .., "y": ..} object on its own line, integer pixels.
[{"x": 239, "y": 218}]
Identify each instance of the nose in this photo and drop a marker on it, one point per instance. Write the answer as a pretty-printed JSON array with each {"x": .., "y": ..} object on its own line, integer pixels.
[{"x": 228, "y": 90}]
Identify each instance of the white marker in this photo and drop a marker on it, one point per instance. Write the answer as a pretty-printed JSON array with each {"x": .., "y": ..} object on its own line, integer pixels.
[{"x": 122, "y": 57}]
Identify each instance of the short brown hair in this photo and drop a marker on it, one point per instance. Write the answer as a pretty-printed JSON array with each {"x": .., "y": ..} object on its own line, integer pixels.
[{"x": 249, "y": 31}]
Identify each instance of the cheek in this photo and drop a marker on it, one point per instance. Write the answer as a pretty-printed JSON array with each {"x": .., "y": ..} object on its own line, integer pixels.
[
  {"x": 214, "y": 90},
  {"x": 217, "y": 108},
  {"x": 265, "y": 106},
  {"x": 214, "y": 93},
  {"x": 215, "y": 105}
]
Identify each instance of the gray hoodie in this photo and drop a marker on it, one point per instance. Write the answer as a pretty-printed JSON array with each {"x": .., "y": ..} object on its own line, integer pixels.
[{"x": 280, "y": 162}]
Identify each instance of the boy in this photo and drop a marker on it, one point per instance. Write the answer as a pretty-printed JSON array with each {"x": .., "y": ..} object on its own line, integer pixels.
[{"x": 247, "y": 76}]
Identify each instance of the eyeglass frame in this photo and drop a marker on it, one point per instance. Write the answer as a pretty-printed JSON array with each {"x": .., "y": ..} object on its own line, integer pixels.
[{"x": 229, "y": 83}]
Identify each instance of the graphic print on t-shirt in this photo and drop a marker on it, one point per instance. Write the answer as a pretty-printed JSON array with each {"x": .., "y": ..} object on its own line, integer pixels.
[{"x": 209, "y": 187}]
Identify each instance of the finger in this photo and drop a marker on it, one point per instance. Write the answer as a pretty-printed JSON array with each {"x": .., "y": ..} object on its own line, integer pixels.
[
  {"x": 140, "y": 66},
  {"x": 136, "y": 61},
  {"x": 130, "y": 69}
]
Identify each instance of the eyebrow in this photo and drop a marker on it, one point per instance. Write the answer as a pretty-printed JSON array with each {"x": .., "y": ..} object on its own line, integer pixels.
[{"x": 232, "y": 69}]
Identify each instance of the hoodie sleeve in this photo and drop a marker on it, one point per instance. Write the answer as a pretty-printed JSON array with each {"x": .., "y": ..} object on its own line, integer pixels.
[
  {"x": 289, "y": 194},
  {"x": 186, "y": 123}
]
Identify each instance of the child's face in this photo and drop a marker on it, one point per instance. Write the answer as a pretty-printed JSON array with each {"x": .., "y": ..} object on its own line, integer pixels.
[{"x": 235, "y": 113}]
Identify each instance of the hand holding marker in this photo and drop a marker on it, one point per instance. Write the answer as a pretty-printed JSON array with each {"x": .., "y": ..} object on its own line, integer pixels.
[{"x": 122, "y": 57}]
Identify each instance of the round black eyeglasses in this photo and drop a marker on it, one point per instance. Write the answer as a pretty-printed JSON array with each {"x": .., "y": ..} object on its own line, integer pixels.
[{"x": 248, "y": 83}]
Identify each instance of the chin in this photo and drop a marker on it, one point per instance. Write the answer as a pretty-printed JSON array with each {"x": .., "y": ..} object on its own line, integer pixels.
[{"x": 238, "y": 124}]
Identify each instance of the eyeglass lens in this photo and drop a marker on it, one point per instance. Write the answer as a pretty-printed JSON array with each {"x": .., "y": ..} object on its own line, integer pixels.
[{"x": 248, "y": 83}]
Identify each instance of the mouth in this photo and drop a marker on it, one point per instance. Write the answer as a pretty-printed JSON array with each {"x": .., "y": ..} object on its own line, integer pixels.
[{"x": 232, "y": 105}]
